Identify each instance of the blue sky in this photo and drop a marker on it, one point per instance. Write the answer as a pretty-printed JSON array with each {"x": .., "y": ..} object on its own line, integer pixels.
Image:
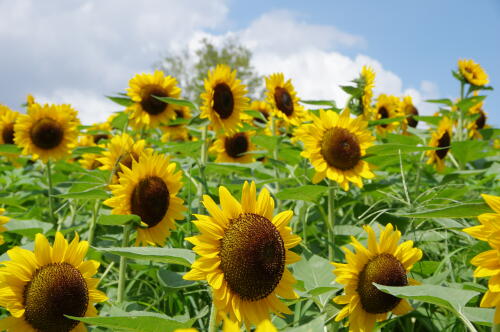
[{"x": 77, "y": 52}]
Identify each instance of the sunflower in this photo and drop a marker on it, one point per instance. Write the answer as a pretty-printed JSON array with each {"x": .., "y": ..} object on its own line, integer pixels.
[
  {"x": 30, "y": 100},
  {"x": 178, "y": 132},
  {"x": 7, "y": 121},
  {"x": 244, "y": 252},
  {"x": 335, "y": 144},
  {"x": 89, "y": 161},
  {"x": 368, "y": 78},
  {"x": 387, "y": 108},
  {"x": 472, "y": 72},
  {"x": 147, "y": 111},
  {"x": 149, "y": 189},
  {"x": 4, "y": 109},
  {"x": 121, "y": 150},
  {"x": 263, "y": 108},
  {"x": 441, "y": 138},
  {"x": 224, "y": 99},
  {"x": 39, "y": 287},
  {"x": 46, "y": 132},
  {"x": 479, "y": 123},
  {"x": 409, "y": 111},
  {"x": 385, "y": 263},
  {"x": 488, "y": 262},
  {"x": 3, "y": 221},
  {"x": 283, "y": 98},
  {"x": 99, "y": 132},
  {"x": 234, "y": 148}
]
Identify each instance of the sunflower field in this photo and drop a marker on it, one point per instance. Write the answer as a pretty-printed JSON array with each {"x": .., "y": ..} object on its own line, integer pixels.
[{"x": 279, "y": 214}]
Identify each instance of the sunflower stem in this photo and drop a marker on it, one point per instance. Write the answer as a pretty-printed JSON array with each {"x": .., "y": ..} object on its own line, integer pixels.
[
  {"x": 93, "y": 223},
  {"x": 204, "y": 147},
  {"x": 123, "y": 265},
  {"x": 460, "y": 115},
  {"x": 331, "y": 222},
  {"x": 49, "y": 179},
  {"x": 212, "y": 324},
  {"x": 275, "y": 157}
]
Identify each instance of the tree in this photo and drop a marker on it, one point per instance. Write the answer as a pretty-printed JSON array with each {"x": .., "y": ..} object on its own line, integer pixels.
[{"x": 191, "y": 70}]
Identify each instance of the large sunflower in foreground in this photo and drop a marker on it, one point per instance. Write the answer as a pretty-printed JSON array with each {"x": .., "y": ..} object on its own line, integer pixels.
[
  {"x": 244, "y": 252},
  {"x": 385, "y": 263},
  {"x": 46, "y": 132},
  {"x": 39, "y": 287},
  {"x": 368, "y": 78},
  {"x": 387, "y": 108},
  {"x": 177, "y": 132},
  {"x": 281, "y": 95},
  {"x": 409, "y": 111},
  {"x": 149, "y": 189},
  {"x": 3, "y": 221},
  {"x": 441, "y": 138},
  {"x": 224, "y": 99},
  {"x": 234, "y": 148},
  {"x": 147, "y": 111},
  {"x": 488, "y": 262},
  {"x": 121, "y": 150},
  {"x": 472, "y": 72},
  {"x": 335, "y": 144}
]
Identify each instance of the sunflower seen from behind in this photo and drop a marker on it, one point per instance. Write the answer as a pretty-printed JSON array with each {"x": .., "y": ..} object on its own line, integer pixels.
[
  {"x": 488, "y": 262},
  {"x": 177, "y": 132},
  {"x": 121, "y": 150},
  {"x": 335, "y": 145},
  {"x": 441, "y": 139},
  {"x": 39, "y": 287},
  {"x": 234, "y": 148},
  {"x": 223, "y": 99},
  {"x": 282, "y": 97},
  {"x": 387, "y": 107},
  {"x": 244, "y": 249},
  {"x": 46, "y": 132},
  {"x": 384, "y": 262},
  {"x": 149, "y": 189},
  {"x": 472, "y": 72},
  {"x": 368, "y": 83},
  {"x": 147, "y": 111}
]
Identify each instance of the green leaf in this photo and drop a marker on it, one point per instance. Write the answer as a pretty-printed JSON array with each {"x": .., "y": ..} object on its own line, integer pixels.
[
  {"x": 10, "y": 148},
  {"x": 139, "y": 321},
  {"x": 452, "y": 299},
  {"x": 433, "y": 120},
  {"x": 466, "y": 151},
  {"x": 444, "y": 101},
  {"x": 87, "y": 194},
  {"x": 178, "y": 102},
  {"x": 118, "y": 220},
  {"x": 352, "y": 90},
  {"x": 256, "y": 114},
  {"x": 123, "y": 101},
  {"x": 482, "y": 316},
  {"x": 309, "y": 193},
  {"x": 467, "y": 103},
  {"x": 27, "y": 228},
  {"x": 87, "y": 149},
  {"x": 120, "y": 121},
  {"x": 330, "y": 103},
  {"x": 394, "y": 148},
  {"x": 317, "y": 324},
  {"x": 466, "y": 210},
  {"x": 267, "y": 142},
  {"x": 316, "y": 273},
  {"x": 171, "y": 279},
  {"x": 164, "y": 255}
]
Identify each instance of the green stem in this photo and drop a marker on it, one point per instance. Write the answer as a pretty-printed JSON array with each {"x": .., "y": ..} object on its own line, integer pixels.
[
  {"x": 204, "y": 147},
  {"x": 275, "y": 157},
  {"x": 460, "y": 115},
  {"x": 49, "y": 179},
  {"x": 419, "y": 171},
  {"x": 212, "y": 324},
  {"x": 331, "y": 222},
  {"x": 123, "y": 265},
  {"x": 93, "y": 223}
]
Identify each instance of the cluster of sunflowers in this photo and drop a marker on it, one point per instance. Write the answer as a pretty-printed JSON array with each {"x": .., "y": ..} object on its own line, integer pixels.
[{"x": 147, "y": 158}]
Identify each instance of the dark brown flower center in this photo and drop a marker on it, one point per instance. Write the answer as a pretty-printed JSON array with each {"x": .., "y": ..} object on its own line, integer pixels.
[
  {"x": 481, "y": 121},
  {"x": 384, "y": 269},
  {"x": 223, "y": 100},
  {"x": 340, "y": 148},
  {"x": 47, "y": 133},
  {"x": 443, "y": 142},
  {"x": 236, "y": 145},
  {"x": 8, "y": 133},
  {"x": 150, "y": 200},
  {"x": 55, "y": 290},
  {"x": 152, "y": 105},
  {"x": 97, "y": 138},
  {"x": 252, "y": 256},
  {"x": 283, "y": 100},
  {"x": 265, "y": 113},
  {"x": 179, "y": 114},
  {"x": 412, "y": 122},
  {"x": 127, "y": 158},
  {"x": 384, "y": 114}
]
